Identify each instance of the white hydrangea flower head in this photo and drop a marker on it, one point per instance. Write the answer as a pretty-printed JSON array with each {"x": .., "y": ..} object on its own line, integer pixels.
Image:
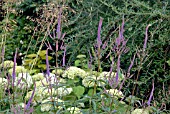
[
  {"x": 28, "y": 96},
  {"x": 23, "y": 80},
  {"x": 115, "y": 93},
  {"x": 140, "y": 111},
  {"x": 21, "y": 105},
  {"x": 38, "y": 77},
  {"x": 38, "y": 83},
  {"x": 63, "y": 91},
  {"x": 38, "y": 96},
  {"x": 46, "y": 105},
  {"x": 106, "y": 75},
  {"x": 73, "y": 72},
  {"x": 18, "y": 69},
  {"x": 74, "y": 110},
  {"x": 89, "y": 81},
  {"x": 3, "y": 82},
  {"x": 7, "y": 64},
  {"x": 52, "y": 79}
]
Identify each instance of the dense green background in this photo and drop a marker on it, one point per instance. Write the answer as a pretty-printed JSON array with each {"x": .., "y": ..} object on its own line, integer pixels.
[{"x": 80, "y": 22}]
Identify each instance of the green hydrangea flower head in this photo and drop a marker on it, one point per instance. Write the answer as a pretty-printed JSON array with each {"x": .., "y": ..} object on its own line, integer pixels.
[
  {"x": 7, "y": 64},
  {"x": 46, "y": 104},
  {"x": 3, "y": 82},
  {"x": 115, "y": 93},
  {"x": 74, "y": 110},
  {"x": 59, "y": 72},
  {"x": 89, "y": 81},
  {"x": 140, "y": 111},
  {"x": 73, "y": 72},
  {"x": 38, "y": 77},
  {"x": 18, "y": 69}
]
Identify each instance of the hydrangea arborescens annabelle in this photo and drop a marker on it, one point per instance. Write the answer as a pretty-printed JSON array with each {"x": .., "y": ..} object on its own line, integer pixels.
[
  {"x": 3, "y": 82},
  {"x": 59, "y": 71},
  {"x": 74, "y": 110},
  {"x": 61, "y": 91},
  {"x": 46, "y": 104},
  {"x": 42, "y": 93},
  {"x": 7, "y": 64},
  {"x": 18, "y": 69},
  {"x": 38, "y": 77},
  {"x": 115, "y": 93},
  {"x": 140, "y": 111},
  {"x": 23, "y": 80},
  {"x": 105, "y": 76},
  {"x": 73, "y": 72},
  {"x": 89, "y": 81}
]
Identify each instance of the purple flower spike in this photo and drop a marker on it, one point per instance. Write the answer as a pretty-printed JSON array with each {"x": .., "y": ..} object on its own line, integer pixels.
[
  {"x": 118, "y": 70},
  {"x": 59, "y": 24},
  {"x": 146, "y": 37},
  {"x": 30, "y": 100},
  {"x": 14, "y": 73},
  {"x": 99, "y": 42},
  {"x": 131, "y": 64},
  {"x": 47, "y": 64},
  {"x": 151, "y": 95},
  {"x": 64, "y": 56}
]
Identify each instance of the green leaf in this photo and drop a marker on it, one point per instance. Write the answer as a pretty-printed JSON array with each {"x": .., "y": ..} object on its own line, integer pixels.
[
  {"x": 42, "y": 66},
  {"x": 91, "y": 92},
  {"x": 44, "y": 57},
  {"x": 79, "y": 91},
  {"x": 77, "y": 63},
  {"x": 168, "y": 62},
  {"x": 31, "y": 55},
  {"x": 81, "y": 56},
  {"x": 42, "y": 53}
]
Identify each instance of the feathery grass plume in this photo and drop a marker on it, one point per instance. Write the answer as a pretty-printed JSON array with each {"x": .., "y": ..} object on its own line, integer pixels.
[{"x": 151, "y": 95}]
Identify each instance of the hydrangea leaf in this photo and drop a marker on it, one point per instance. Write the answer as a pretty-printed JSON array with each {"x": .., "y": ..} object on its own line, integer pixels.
[
  {"x": 42, "y": 66},
  {"x": 77, "y": 63},
  {"x": 91, "y": 92},
  {"x": 31, "y": 55},
  {"x": 78, "y": 91},
  {"x": 42, "y": 53},
  {"x": 81, "y": 56},
  {"x": 44, "y": 57}
]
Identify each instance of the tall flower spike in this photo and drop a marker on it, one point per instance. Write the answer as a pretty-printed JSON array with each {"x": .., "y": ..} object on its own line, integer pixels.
[
  {"x": 64, "y": 56},
  {"x": 99, "y": 42},
  {"x": 146, "y": 37},
  {"x": 47, "y": 64},
  {"x": 59, "y": 24},
  {"x": 151, "y": 95},
  {"x": 14, "y": 73},
  {"x": 30, "y": 100}
]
